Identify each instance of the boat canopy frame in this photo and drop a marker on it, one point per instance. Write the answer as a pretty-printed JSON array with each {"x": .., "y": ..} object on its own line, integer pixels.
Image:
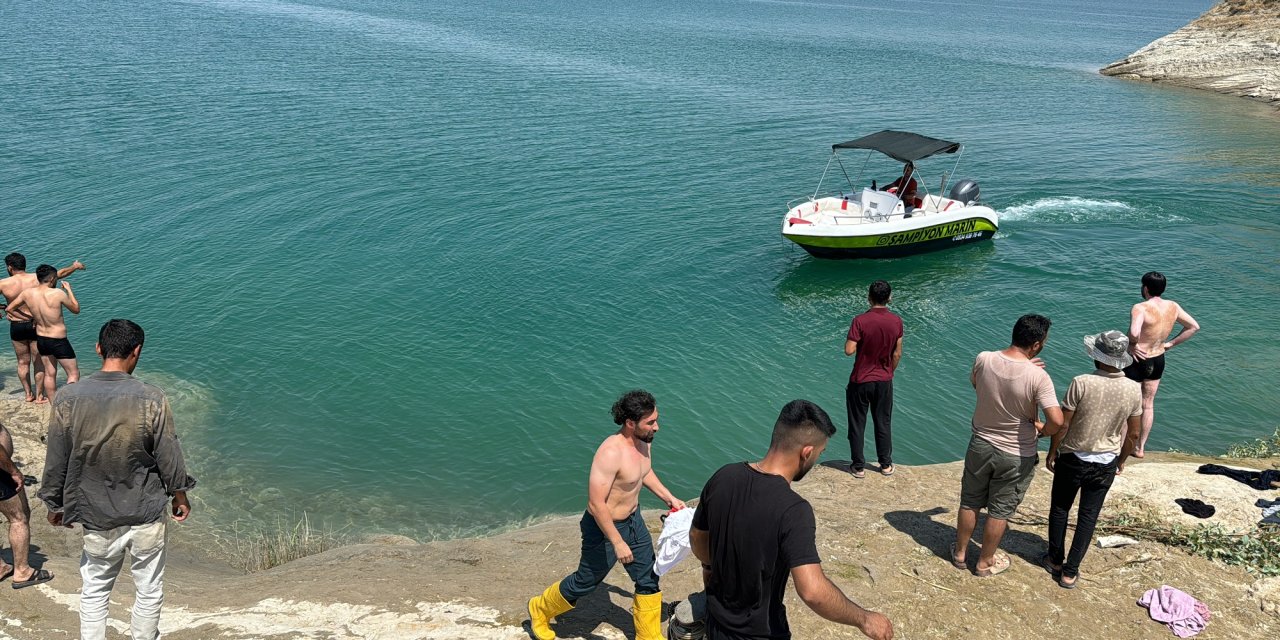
[{"x": 903, "y": 146}]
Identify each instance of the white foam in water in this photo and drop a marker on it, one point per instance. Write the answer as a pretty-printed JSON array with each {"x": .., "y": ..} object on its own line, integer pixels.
[{"x": 1072, "y": 209}]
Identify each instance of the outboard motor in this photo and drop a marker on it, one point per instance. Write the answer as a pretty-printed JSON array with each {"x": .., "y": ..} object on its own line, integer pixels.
[{"x": 965, "y": 191}]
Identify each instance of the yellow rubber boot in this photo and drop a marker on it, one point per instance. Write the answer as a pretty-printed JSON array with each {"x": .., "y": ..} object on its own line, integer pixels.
[
  {"x": 543, "y": 608},
  {"x": 646, "y": 611}
]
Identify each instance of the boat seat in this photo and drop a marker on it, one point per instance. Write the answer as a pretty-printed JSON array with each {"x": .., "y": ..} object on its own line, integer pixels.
[
  {"x": 940, "y": 204},
  {"x": 878, "y": 205}
]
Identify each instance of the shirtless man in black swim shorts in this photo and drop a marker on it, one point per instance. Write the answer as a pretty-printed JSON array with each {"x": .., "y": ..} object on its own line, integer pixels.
[
  {"x": 1151, "y": 322},
  {"x": 22, "y": 330},
  {"x": 14, "y": 507},
  {"x": 44, "y": 303}
]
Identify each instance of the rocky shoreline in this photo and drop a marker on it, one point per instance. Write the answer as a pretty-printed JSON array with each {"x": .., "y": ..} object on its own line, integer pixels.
[
  {"x": 883, "y": 540},
  {"x": 1234, "y": 48}
]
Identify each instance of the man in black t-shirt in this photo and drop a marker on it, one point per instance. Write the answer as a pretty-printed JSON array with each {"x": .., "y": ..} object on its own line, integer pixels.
[{"x": 751, "y": 532}]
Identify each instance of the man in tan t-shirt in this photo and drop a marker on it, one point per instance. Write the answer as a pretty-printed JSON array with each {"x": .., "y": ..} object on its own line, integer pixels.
[
  {"x": 1150, "y": 323},
  {"x": 1103, "y": 415},
  {"x": 1001, "y": 461}
]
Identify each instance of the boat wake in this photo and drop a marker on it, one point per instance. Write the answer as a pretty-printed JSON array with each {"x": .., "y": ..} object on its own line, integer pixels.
[
  {"x": 1071, "y": 209},
  {"x": 451, "y": 40}
]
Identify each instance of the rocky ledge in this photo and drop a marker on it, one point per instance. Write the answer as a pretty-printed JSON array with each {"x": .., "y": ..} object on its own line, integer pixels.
[
  {"x": 1234, "y": 48},
  {"x": 885, "y": 540}
]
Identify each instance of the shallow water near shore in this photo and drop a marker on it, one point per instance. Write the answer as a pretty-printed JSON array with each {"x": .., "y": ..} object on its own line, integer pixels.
[{"x": 396, "y": 259}]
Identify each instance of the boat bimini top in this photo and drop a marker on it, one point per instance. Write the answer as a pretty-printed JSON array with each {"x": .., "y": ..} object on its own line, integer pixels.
[{"x": 902, "y": 146}]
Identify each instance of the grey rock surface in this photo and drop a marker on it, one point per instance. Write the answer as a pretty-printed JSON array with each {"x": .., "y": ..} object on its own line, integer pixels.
[{"x": 1234, "y": 48}]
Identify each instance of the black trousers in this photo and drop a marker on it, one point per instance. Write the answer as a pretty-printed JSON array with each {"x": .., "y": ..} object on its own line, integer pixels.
[
  {"x": 1092, "y": 481},
  {"x": 878, "y": 397}
]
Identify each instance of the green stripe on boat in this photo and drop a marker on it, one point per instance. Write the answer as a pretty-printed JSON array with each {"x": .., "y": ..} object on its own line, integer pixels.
[{"x": 899, "y": 238}]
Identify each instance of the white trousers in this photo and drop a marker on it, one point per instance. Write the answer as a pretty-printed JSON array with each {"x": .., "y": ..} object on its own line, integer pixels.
[{"x": 104, "y": 555}]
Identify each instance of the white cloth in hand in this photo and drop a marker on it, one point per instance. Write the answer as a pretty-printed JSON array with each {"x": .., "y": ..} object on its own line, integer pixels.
[{"x": 673, "y": 542}]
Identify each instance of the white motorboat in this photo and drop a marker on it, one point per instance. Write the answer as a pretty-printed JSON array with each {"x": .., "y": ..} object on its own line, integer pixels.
[{"x": 874, "y": 223}]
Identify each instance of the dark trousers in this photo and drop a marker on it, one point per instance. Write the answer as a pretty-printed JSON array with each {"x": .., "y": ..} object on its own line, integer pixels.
[
  {"x": 878, "y": 397},
  {"x": 1092, "y": 481},
  {"x": 598, "y": 558}
]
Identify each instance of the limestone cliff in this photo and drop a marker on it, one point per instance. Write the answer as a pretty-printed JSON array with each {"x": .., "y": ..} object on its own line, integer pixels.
[{"x": 1234, "y": 48}]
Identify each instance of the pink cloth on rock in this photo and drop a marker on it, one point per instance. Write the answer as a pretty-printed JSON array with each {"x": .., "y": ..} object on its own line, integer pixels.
[{"x": 1184, "y": 615}]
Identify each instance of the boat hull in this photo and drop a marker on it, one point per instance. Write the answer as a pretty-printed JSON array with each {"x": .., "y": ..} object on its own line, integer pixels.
[{"x": 887, "y": 242}]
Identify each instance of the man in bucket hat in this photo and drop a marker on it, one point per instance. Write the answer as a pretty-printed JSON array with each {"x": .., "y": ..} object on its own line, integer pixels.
[{"x": 1102, "y": 415}]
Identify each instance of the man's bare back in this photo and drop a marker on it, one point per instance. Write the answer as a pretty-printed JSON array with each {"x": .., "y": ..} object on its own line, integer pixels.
[
  {"x": 45, "y": 304},
  {"x": 1154, "y": 319},
  {"x": 12, "y": 287},
  {"x": 1151, "y": 322}
]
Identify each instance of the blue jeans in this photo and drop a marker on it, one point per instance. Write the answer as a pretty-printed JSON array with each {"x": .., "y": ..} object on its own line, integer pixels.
[{"x": 598, "y": 558}]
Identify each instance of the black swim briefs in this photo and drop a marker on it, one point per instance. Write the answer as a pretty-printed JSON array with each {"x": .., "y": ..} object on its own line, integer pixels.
[
  {"x": 1149, "y": 369},
  {"x": 22, "y": 331},
  {"x": 59, "y": 348},
  {"x": 7, "y": 488}
]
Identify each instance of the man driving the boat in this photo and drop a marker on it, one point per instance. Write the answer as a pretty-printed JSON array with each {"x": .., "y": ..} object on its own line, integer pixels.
[{"x": 908, "y": 193}]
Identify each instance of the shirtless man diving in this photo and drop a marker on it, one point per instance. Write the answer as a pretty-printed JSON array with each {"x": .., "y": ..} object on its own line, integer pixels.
[
  {"x": 612, "y": 528},
  {"x": 1151, "y": 321},
  {"x": 44, "y": 303},
  {"x": 21, "y": 329}
]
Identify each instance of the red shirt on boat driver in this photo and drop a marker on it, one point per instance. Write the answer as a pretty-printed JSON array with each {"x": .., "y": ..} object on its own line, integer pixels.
[{"x": 877, "y": 332}]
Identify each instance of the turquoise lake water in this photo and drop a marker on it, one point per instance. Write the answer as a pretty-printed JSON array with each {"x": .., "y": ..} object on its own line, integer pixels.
[{"x": 396, "y": 259}]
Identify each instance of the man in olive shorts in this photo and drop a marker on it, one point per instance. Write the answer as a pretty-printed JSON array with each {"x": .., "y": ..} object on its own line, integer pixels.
[{"x": 1002, "y": 458}]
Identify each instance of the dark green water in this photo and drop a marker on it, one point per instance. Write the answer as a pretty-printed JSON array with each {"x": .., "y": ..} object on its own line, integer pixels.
[{"x": 396, "y": 259}]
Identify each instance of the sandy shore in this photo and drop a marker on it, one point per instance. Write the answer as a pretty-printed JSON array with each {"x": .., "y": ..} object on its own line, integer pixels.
[{"x": 883, "y": 540}]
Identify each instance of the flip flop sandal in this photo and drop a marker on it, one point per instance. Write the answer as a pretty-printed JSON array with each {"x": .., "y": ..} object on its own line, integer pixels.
[
  {"x": 887, "y": 472},
  {"x": 1048, "y": 565},
  {"x": 39, "y": 577},
  {"x": 956, "y": 563},
  {"x": 1068, "y": 585},
  {"x": 1001, "y": 565},
  {"x": 6, "y": 574},
  {"x": 858, "y": 473}
]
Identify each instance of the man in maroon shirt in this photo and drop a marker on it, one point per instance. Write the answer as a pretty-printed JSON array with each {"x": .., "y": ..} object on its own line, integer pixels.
[{"x": 876, "y": 339}]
